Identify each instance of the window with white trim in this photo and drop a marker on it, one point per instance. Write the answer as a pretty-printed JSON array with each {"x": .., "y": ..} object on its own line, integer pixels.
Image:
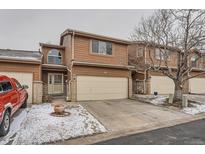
[
  {"x": 193, "y": 61},
  {"x": 54, "y": 57},
  {"x": 140, "y": 52},
  {"x": 162, "y": 54},
  {"x": 101, "y": 47}
]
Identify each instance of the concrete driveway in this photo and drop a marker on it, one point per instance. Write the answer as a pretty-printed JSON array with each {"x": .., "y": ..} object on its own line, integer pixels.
[
  {"x": 118, "y": 115},
  {"x": 125, "y": 117}
]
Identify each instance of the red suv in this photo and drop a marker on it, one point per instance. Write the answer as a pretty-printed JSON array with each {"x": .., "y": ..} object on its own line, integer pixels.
[{"x": 12, "y": 96}]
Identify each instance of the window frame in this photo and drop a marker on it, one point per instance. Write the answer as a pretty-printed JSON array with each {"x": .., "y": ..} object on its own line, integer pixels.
[
  {"x": 193, "y": 60},
  {"x": 137, "y": 52},
  {"x": 100, "y": 53},
  {"x": 54, "y": 56},
  {"x": 162, "y": 54}
]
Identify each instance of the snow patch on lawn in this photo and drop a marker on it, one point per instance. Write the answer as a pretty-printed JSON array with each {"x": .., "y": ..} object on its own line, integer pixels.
[
  {"x": 14, "y": 128},
  {"x": 40, "y": 127},
  {"x": 196, "y": 109}
]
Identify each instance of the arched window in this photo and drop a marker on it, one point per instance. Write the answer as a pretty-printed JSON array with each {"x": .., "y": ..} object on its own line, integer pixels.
[{"x": 54, "y": 56}]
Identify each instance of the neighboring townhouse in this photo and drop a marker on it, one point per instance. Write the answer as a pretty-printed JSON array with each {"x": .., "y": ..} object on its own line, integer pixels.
[
  {"x": 147, "y": 81},
  {"x": 82, "y": 67},
  {"x": 26, "y": 67},
  {"x": 197, "y": 85}
]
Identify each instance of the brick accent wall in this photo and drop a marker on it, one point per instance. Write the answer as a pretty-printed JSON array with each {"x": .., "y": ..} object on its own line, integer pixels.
[{"x": 37, "y": 92}]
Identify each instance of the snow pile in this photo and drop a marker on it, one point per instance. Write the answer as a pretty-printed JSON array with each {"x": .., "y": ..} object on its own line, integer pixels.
[
  {"x": 196, "y": 109},
  {"x": 40, "y": 127},
  {"x": 156, "y": 100},
  {"x": 159, "y": 100},
  {"x": 14, "y": 128}
]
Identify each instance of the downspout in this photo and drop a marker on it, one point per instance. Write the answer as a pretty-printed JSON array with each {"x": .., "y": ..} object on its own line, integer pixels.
[
  {"x": 71, "y": 68},
  {"x": 69, "y": 82},
  {"x": 145, "y": 71},
  {"x": 72, "y": 46}
]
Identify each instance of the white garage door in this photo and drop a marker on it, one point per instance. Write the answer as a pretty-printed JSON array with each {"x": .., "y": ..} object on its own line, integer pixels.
[
  {"x": 24, "y": 79},
  {"x": 162, "y": 85},
  {"x": 101, "y": 88},
  {"x": 197, "y": 85}
]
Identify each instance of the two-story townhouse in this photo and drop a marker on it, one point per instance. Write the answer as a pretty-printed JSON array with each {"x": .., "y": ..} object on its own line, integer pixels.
[
  {"x": 85, "y": 66},
  {"x": 147, "y": 81}
]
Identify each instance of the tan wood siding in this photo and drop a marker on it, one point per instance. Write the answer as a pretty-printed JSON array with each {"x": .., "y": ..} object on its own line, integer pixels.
[{"x": 82, "y": 52}]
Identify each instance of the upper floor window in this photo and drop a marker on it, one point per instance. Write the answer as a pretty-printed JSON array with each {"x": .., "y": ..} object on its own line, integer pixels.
[
  {"x": 193, "y": 61},
  {"x": 140, "y": 52},
  {"x": 101, "y": 47},
  {"x": 54, "y": 57},
  {"x": 162, "y": 54},
  {"x": 202, "y": 62},
  {"x": 203, "y": 59}
]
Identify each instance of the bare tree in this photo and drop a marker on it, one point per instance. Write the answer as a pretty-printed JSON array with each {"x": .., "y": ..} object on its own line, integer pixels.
[{"x": 181, "y": 30}]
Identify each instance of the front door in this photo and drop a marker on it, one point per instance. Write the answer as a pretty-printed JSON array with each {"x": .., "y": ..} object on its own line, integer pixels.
[{"x": 55, "y": 83}]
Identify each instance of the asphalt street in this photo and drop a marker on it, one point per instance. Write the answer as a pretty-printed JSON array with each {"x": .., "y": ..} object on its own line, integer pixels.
[{"x": 192, "y": 133}]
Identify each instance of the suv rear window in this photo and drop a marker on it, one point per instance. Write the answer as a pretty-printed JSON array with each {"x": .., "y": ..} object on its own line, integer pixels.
[{"x": 5, "y": 86}]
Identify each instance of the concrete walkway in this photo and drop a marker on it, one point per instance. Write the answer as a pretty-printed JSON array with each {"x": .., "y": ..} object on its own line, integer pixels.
[{"x": 124, "y": 117}]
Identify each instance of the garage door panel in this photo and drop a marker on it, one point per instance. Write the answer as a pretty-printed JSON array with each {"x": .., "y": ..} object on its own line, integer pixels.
[
  {"x": 99, "y": 88},
  {"x": 24, "y": 79},
  {"x": 197, "y": 85},
  {"x": 162, "y": 85}
]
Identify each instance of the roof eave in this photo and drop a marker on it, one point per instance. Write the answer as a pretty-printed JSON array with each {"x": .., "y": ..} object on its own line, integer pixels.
[
  {"x": 51, "y": 45},
  {"x": 20, "y": 61},
  {"x": 80, "y": 63},
  {"x": 96, "y": 36}
]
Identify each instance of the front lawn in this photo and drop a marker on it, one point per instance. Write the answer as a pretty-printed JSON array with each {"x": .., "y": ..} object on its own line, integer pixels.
[{"x": 38, "y": 126}]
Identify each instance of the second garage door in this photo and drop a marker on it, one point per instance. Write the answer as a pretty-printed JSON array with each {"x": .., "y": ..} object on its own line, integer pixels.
[
  {"x": 162, "y": 85},
  {"x": 101, "y": 88},
  {"x": 197, "y": 85},
  {"x": 24, "y": 79}
]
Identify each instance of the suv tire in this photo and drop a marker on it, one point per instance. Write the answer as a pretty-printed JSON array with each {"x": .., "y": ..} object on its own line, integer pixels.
[{"x": 5, "y": 125}]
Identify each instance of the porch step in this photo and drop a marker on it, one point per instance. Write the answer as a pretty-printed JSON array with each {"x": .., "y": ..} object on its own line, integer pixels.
[{"x": 58, "y": 97}]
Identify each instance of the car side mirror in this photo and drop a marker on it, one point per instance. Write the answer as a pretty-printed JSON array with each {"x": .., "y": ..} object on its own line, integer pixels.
[{"x": 24, "y": 86}]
